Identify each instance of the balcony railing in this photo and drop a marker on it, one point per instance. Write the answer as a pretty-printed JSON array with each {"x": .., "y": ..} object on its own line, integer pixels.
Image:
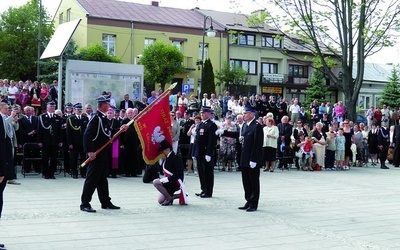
[{"x": 282, "y": 79}]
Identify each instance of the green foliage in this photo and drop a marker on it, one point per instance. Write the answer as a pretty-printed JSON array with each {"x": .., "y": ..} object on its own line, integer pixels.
[
  {"x": 318, "y": 89},
  {"x": 208, "y": 83},
  {"x": 18, "y": 40},
  {"x": 96, "y": 52},
  {"x": 233, "y": 78},
  {"x": 161, "y": 62},
  {"x": 391, "y": 93}
]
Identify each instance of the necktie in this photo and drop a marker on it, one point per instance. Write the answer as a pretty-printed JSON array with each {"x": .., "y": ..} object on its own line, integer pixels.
[
  {"x": 30, "y": 121},
  {"x": 79, "y": 117},
  {"x": 204, "y": 104}
]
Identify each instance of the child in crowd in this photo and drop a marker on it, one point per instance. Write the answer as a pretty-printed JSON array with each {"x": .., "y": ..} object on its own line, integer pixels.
[
  {"x": 339, "y": 154},
  {"x": 330, "y": 151}
]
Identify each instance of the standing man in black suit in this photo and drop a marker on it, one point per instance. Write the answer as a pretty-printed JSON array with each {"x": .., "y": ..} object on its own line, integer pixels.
[
  {"x": 54, "y": 92},
  {"x": 285, "y": 132},
  {"x": 126, "y": 103},
  {"x": 27, "y": 133},
  {"x": 76, "y": 125},
  {"x": 204, "y": 148},
  {"x": 49, "y": 139},
  {"x": 383, "y": 142},
  {"x": 3, "y": 169},
  {"x": 97, "y": 134},
  {"x": 396, "y": 140}
]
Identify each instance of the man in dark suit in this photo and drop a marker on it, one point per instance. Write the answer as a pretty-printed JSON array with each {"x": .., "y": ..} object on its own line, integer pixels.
[
  {"x": 54, "y": 92},
  {"x": 396, "y": 140},
  {"x": 285, "y": 132},
  {"x": 204, "y": 147},
  {"x": 76, "y": 125},
  {"x": 27, "y": 133},
  {"x": 68, "y": 111},
  {"x": 3, "y": 170},
  {"x": 130, "y": 142},
  {"x": 49, "y": 139},
  {"x": 96, "y": 135},
  {"x": 251, "y": 158},
  {"x": 383, "y": 142},
  {"x": 126, "y": 103},
  {"x": 173, "y": 172}
]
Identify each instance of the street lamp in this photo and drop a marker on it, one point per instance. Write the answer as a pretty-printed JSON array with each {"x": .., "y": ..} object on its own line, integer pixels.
[{"x": 210, "y": 33}]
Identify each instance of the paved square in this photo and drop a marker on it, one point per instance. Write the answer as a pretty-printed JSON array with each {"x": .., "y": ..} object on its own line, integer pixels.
[{"x": 356, "y": 209}]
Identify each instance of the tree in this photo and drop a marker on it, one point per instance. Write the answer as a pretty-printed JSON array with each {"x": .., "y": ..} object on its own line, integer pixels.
[
  {"x": 318, "y": 89},
  {"x": 96, "y": 52},
  {"x": 208, "y": 83},
  {"x": 18, "y": 40},
  {"x": 344, "y": 30},
  {"x": 391, "y": 93},
  {"x": 234, "y": 78},
  {"x": 161, "y": 62}
]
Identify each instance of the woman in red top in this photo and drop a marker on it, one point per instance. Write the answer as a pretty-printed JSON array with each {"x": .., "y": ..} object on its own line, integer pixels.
[
  {"x": 44, "y": 96},
  {"x": 377, "y": 116}
]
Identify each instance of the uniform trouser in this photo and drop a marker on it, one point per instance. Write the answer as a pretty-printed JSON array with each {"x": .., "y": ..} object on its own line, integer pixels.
[
  {"x": 49, "y": 153},
  {"x": 330, "y": 159},
  {"x": 383, "y": 153},
  {"x": 74, "y": 153},
  {"x": 251, "y": 185},
  {"x": 2, "y": 187},
  {"x": 206, "y": 175},
  {"x": 96, "y": 178}
]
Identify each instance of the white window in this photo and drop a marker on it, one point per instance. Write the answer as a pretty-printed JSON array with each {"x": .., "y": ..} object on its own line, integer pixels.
[
  {"x": 205, "y": 50},
  {"x": 109, "y": 43},
  {"x": 68, "y": 15},
  {"x": 148, "y": 41},
  {"x": 61, "y": 18},
  {"x": 249, "y": 66},
  {"x": 178, "y": 44}
]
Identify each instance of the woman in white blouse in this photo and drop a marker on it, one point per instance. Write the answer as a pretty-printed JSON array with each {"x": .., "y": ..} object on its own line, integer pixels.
[{"x": 270, "y": 144}]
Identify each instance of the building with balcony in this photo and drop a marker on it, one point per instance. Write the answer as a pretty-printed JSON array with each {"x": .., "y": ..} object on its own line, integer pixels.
[{"x": 125, "y": 29}]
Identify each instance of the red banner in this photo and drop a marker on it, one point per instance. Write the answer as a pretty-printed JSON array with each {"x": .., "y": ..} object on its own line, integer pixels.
[{"x": 153, "y": 124}]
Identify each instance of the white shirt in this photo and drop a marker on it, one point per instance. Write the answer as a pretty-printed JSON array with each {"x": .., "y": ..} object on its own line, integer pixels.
[
  {"x": 11, "y": 92},
  {"x": 294, "y": 108}
]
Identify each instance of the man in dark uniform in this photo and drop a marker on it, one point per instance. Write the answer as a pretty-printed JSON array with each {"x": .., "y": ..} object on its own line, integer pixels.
[
  {"x": 27, "y": 133},
  {"x": 96, "y": 135},
  {"x": 251, "y": 159},
  {"x": 76, "y": 125},
  {"x": 285, "y": 132},
  {"x": 383, "y": 142},
  {"x": 49, "y": 139},
  {"x": 204, "y": 148},
  {"x": 54, "y": 92},
  {"x": 67, "y": 113}
]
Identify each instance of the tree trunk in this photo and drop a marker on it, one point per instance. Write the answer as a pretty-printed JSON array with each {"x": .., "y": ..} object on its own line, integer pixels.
[{"x": 350, "y": 105}]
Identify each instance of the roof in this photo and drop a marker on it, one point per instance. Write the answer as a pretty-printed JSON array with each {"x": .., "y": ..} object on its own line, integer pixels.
[
  {"x": 375, "y": 72},
  {"x": 236, "y": 21},
  {"x": 120, "y": 10}
]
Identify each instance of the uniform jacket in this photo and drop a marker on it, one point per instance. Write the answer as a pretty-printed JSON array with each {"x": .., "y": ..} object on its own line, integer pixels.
[
  {"x": 206, "y": 139},
  {"x": 285, "y": 130},
  {"x": 75, "y": 128},
  {"x": 122, "y": 104},
  {"x": 97, "y": 134},
  {"x": 26, "y": 127},
  {"x": 252, "y": 144},
  {"x": 49, "y": 130},
  {"x": 383, "y": 136}
]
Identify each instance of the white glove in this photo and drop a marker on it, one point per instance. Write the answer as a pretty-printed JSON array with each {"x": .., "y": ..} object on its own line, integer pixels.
[
  {"x": 253, "y": 164},
  {"x": 208, "y": 158},
  {"x": 219, "y": 131},
  {"x": 164, "y": 180}
]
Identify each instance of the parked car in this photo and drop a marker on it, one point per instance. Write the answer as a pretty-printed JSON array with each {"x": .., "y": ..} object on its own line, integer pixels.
[{"x": 361, "y": 119}]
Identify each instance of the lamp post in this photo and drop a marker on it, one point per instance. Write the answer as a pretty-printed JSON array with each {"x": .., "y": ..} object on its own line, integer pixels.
[{"x": 210, "y": 33}]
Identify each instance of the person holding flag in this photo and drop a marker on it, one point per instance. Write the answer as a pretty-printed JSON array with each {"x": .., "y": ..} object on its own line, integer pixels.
[
  {"x": 98, "y": 134},
  {"x": 173, "y": 172}
]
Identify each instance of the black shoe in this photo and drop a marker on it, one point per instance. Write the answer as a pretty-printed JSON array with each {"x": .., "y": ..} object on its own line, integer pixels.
[
  {"x": 384, "y": 167},
  {"x": 205, "y": 196},
  {"x": 83, "y": 175},
  {"x": 75, "y": 176},
  {"x": 244, "y": 207},
  {"x": 128, "y": 175},
  {"x": 52, "y": 177},
  {"x": 168, "y": 202},
  {"x": 88, "y": 209},
  {"x": 251, "y": 209},
  {"x": 199, "y": 194},
  {"x": 3, "y": 248},
  {"x": 2, "y": 245},
  {"x": 110, "y": 206}
]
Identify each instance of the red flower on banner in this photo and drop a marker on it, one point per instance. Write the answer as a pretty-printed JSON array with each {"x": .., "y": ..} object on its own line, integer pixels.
[{"x": 153, "y": 125}]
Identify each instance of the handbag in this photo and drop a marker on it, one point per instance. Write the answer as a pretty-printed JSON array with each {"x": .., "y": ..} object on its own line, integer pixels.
[{"x": 299, "y": 153}]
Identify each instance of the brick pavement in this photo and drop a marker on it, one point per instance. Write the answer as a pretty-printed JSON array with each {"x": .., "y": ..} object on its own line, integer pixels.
[{"x": 356, "y": 209}]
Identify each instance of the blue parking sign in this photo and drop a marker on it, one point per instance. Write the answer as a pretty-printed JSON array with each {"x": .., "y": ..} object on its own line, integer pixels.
[{"x": 186, "y": 88}]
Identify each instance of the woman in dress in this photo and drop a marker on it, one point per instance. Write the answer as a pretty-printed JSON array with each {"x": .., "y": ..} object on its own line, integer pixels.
[
  {"x": 373, "y": 144},
  {"x": 319, "y": 141},
  {"x": 35, "y": 97},
  {"x": 348, "y": 133},
  {"x": 44, "y": 96},
  {"x": 270, "y": 144},
  {"x": 192, "y": 133},
  {"x": 227, "y": 150}
]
